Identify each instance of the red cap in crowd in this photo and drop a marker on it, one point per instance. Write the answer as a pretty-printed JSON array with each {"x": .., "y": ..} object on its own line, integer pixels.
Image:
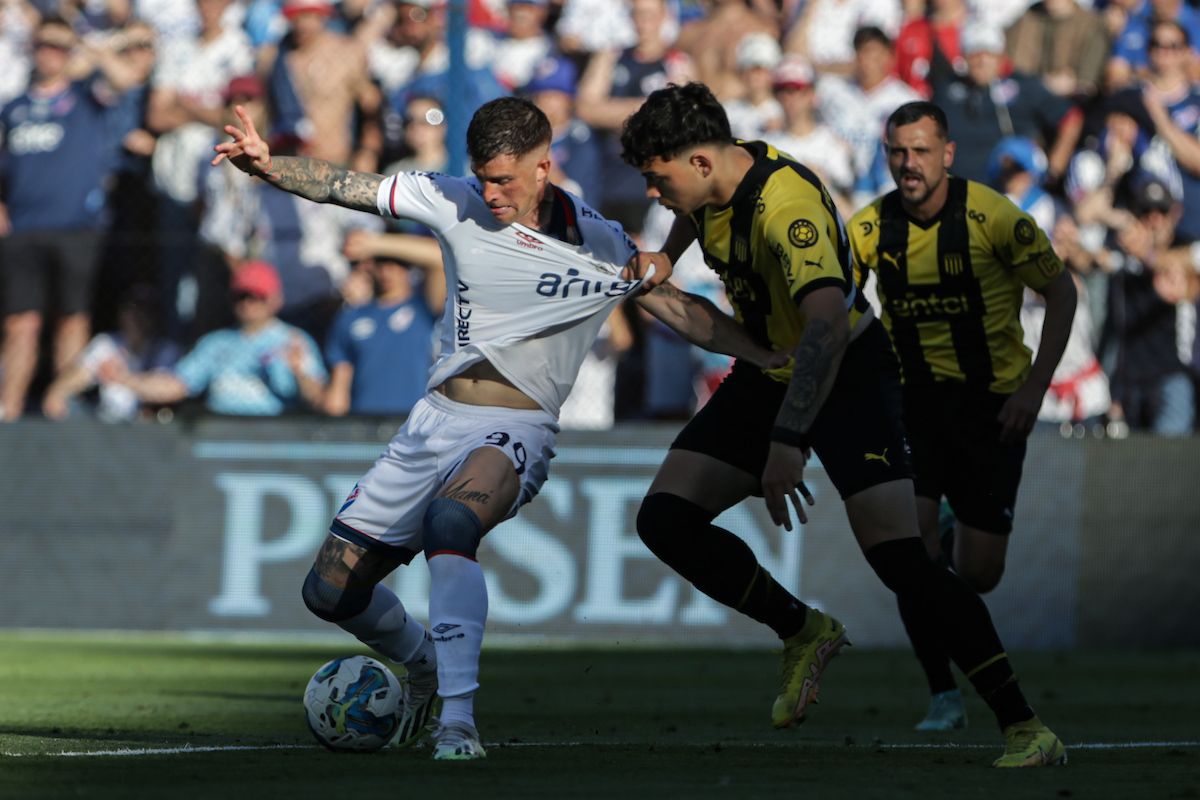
[
  {"x": 257, "y": 278},
  {"x": 793, "y": 73},
  {"x": 294, "y": 8},
  {"x": 247, "y": 86}
]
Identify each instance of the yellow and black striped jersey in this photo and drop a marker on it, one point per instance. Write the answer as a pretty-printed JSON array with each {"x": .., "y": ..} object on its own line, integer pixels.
[
  {"x": 951, "y": 288},
  {"x": 779, "y": 238}
]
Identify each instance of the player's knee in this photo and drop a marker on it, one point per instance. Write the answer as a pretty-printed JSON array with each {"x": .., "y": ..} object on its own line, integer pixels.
[
  {"x": 904, "y": 566},
  {"x": 332, "y": 603},
  {"x": 664, "y": 520},
  {"x": 451, "y": 527},
  {"x": 981, "y": 577}
]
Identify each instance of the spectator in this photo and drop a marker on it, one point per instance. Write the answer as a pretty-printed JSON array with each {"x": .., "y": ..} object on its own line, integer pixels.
[
  {"x": 1166, "y": 107},
  {"x": 1016, "y": 168},
  {"x": 262, "y": 367},
  {"x": 1063, "y": 43},
  {"x": 1149, "y": 308},
  {"x": 424, "y": 137},
  {"x": 806, "y": 137},
  {"x": 857, "y": 107},
  {"x": 984, "y": 106},
  {"x": 826, "y": 33},
  {"x": 18, "y": 20},
  {"x": 135, "y": 345},
  {"x": 527, "y": 43},
  {"x": 320, "y": 90},
  {"x": 1131, "y": 52},
  {"x": 1079, "y": 390},
  {"x": 56, "y": 155},
  {"x": 597, "y": 26},
  {"x": 186, "y": 110},
  {"x": 935, "y": 34},
  {"x": 249, "y": 220},
  {"x": 379, "y": 353},
  {"x": 712, "y": 42},
  {"x": 129, "y": 249},
  {"x": 756, "y": 113},
  {"x": 574, "y": 149},
  {"x": 422, "y": 27},
  {"x": 613, "y": 86}
]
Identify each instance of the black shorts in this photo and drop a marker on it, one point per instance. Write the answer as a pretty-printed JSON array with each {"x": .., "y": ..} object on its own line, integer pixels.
[
  {"x": 35, "y": 262},
  {"x": 858, "y": 434},
  {"x": 957, "y": 453}
]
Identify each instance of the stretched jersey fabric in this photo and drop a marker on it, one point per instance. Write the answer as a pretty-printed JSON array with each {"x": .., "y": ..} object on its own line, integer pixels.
[
  {"x": 778, "y": 238},
  {"x": 527, "y": 302},
  {"x": 951, "y": 288}
]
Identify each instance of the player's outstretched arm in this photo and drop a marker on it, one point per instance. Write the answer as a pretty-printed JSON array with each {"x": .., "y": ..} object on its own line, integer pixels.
[
  {"x": 309, "y": 178},
  {"x": 704, "y": 325}
]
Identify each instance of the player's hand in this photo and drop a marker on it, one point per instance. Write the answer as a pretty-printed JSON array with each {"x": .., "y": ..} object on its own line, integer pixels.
[
  {"x": 778, "y": 359},
  {"x": 650, "y": 268},
  {"x": 1019, "y": 412},
  {"x": 783, "y": 480},
  {"x": 297, "y": 356},
  {"x": 248, "y": 152}
]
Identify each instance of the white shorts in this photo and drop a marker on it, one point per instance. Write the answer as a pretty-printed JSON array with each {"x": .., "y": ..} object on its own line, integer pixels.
[{"x": 385, "y": 510}]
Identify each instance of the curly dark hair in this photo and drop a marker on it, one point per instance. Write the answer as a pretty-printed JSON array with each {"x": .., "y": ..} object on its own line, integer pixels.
[
  {"x": 510, "y": 126},
  {"x": 916, "y": 111},
  {"x": 672, "y": 120}
]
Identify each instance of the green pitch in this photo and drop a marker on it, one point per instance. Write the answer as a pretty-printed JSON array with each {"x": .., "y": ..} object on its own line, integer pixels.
[{"x": 616, "y": 723}]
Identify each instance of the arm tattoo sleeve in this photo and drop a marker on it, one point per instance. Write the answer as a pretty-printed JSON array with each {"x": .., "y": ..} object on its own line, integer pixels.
[
  {"x": 323, "y": 182},
  {"x": 816, "y": 357}
]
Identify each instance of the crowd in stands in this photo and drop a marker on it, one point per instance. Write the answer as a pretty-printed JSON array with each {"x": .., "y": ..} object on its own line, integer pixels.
[{"x": 134, "y": 276}]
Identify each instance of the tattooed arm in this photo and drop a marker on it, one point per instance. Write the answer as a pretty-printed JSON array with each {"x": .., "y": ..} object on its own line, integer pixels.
[
  {"x": 818, "y": 356},
  {"x": 309, "y": 178},
  {"x": 704, "y": 325}
]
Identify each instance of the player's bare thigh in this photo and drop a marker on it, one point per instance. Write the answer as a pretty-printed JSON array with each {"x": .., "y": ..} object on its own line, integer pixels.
[
  {"x": 701, "y": 479},
  {"x": 882, "y": 513},
  {"x": 487, "y": 483}
]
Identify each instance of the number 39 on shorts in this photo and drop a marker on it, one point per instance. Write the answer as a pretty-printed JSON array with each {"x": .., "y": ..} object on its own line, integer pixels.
[{"x": 502, "y": 440}]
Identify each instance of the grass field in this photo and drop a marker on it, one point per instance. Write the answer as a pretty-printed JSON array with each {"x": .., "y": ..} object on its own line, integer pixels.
[{"x": 164, "y": 717}]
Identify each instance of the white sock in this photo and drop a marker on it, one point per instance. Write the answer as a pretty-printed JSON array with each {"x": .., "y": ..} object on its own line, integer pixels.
[
  {"x": 458, "y": 607},
  {"x": 387, "y": 628}
]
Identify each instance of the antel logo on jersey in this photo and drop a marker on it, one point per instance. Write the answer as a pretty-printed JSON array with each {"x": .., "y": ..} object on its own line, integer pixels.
[
  {"x": 527, "y": 241},
  {"x": 554, "y": 285},
  {"x": 928, "y": 308}
]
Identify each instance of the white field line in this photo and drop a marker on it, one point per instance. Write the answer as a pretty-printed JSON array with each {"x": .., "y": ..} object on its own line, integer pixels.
[{"x": 186, "y": 750}]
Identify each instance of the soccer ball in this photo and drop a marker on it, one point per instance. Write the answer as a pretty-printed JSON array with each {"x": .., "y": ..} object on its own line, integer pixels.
[{"x": 353, "y": 703}]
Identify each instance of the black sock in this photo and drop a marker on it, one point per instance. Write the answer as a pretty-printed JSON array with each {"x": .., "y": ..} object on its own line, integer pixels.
[
  {"x": 926, "y": 641},
  {"x": 997, "y": 685},
  {"x": 961, "y": 618},
  {"x": 716, "y": 562}
]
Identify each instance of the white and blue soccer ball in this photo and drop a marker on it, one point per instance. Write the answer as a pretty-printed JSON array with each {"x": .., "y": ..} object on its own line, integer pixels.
[{"x": 353, "y": 703}]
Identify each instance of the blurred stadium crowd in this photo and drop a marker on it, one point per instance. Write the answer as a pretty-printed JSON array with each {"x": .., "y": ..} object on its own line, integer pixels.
[{"x": 135, "y": 280}]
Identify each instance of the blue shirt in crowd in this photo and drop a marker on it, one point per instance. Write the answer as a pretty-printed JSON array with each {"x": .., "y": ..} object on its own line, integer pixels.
[
  {"x": 248, "y": 373},
  {"x": 390, "y": 348},
  {"x": 57, "y": 151}
]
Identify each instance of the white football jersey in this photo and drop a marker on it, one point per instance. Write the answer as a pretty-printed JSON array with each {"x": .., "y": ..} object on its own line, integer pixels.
[{"x": 523, "y": 300}]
